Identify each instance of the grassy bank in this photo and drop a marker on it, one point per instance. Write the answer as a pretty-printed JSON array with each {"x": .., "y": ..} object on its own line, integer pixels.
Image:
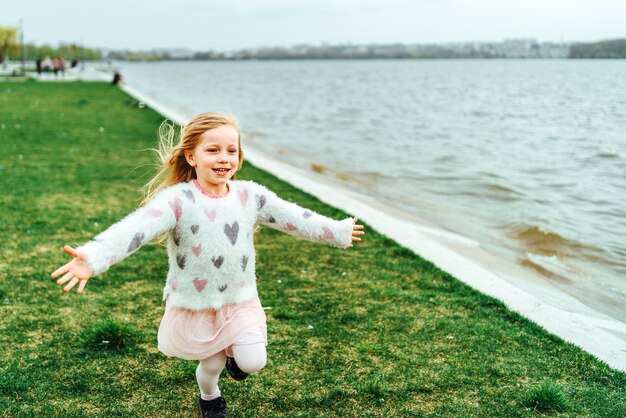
[{"x": 373, "y": 331}]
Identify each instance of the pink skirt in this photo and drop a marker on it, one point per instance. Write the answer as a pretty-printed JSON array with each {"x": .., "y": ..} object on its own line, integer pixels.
[{"x": 196, "y": 335}]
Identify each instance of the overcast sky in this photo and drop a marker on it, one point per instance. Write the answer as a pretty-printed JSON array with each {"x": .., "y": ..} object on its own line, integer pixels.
[{"x": 234, "y": 24}]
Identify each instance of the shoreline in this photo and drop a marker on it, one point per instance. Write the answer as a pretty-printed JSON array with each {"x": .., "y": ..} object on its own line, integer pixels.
[{"x": 549, "y": 307}]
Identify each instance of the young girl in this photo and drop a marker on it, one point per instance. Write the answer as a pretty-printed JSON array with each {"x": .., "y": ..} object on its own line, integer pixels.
[{"x": 212, "y": 313}]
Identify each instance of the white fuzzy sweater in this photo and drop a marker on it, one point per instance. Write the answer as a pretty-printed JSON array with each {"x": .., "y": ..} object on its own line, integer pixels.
[{"x": 210, "y": 245}]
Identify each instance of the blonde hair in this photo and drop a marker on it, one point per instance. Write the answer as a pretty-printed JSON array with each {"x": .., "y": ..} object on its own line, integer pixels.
[{"x": 172, "y": 165}]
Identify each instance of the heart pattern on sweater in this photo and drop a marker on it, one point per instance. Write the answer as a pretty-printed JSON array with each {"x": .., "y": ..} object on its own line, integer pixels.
[
  {"x": 327, "y": 235},
  {"x": 244, "y": 262},
  {"x": 176, "y": 239},
  {"x": 177, "y": 207},
  {"x": 211, "y": 214},
  {"x": 174, "y": 285},
  {"x": 243, "y": 196},
  {"x": 307, "y": 214},
  {"x": 271, "y": 219},
  {"x": 181, "y": 260},
  {"x": 222, "y": 288},
  {"x": 136, "y": 242},
  {"x": 199, "y": 284},
  {"x": 291, "y": 227},
  {"x": 260, "y": 201},
  {"x": 189, "y": 195},
  {"x": 232, "y": 232},
  {"x": 195, "y": 229},
  {"x": 197, "y": 250},
  {"x": 218, "y": 261}
]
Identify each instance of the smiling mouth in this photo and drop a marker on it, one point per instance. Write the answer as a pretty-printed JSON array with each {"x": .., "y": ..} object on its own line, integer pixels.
[{"x": 221, "y": 171}]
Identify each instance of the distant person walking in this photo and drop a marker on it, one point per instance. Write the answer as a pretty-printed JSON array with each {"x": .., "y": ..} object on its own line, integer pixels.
[
  {"x": 46, "y": 65},
  {"x": 55, "y": 66},
  {"x": 59, "y": 66},
  {"x": 38, "y": 62},
  {"x": 213, "y": 314}
]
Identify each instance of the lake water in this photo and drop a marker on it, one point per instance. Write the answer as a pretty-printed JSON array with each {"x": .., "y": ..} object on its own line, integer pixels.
[{"x": 527, "y": 157}]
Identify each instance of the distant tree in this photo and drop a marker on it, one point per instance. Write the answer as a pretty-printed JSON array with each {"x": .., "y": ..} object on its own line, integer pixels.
[
  {"x": 8, "y": 42},
  {"x": 74, "y": 49},
  {"x": 613, "y": 49},
  {"x": 67, "y": 51}
]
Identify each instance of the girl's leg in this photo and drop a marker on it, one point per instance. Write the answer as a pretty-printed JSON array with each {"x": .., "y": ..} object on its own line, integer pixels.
[
  {"x": 250, "y": 357},
  {"x": 208, "y": 374}
]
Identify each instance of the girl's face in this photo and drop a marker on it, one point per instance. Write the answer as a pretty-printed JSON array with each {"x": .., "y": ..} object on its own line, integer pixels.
[{"x": 215, "y": 158}]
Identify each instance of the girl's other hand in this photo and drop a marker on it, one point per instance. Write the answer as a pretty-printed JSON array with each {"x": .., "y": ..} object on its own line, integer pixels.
[
  {"x": 76, "y": 271},
  {"x": 357, "y": 230}
]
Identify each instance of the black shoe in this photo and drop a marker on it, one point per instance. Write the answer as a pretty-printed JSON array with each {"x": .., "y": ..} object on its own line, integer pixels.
[
  {"x": 212, "y": 409},
  {"x": 233, "y": 370}
]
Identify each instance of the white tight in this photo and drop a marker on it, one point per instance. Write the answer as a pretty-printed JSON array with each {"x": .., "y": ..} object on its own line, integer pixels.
[{"x": 249, "y": 357}]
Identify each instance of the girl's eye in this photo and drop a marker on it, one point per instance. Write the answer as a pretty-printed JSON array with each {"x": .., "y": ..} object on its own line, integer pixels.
[
  {"x": 232, "y": 151},
  {"x": 211, "y": 150}
]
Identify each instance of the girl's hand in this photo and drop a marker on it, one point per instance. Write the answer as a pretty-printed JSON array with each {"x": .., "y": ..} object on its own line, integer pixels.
[
  {"x": 77, "y": 270},
  {"x": 357, "y": 230}
]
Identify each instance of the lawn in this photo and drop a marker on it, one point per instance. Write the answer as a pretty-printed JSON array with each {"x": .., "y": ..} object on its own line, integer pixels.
[{"x": 372, "y": 331}]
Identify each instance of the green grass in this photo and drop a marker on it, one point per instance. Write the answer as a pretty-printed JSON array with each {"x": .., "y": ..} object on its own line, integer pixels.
[
  {"x": 110, "y": 336},
  {"x": 375, "y": 331},
  {"x": 547, "y": 397}
]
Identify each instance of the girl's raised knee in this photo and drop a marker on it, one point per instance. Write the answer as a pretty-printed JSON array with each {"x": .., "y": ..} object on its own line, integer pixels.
[
  {"x": 250, "y": 358},
  {"x": 251, "y": 365}
]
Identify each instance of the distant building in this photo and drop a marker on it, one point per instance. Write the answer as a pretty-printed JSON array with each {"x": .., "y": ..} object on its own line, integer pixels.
[{"x": 509, "y": 48}]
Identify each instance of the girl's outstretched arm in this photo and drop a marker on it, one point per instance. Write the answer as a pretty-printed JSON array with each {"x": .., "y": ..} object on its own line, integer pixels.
[
  {"x": 123, "y": 238},
  {"x": 76, "y": 271},
  {"x": 303, "y": 223}
]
